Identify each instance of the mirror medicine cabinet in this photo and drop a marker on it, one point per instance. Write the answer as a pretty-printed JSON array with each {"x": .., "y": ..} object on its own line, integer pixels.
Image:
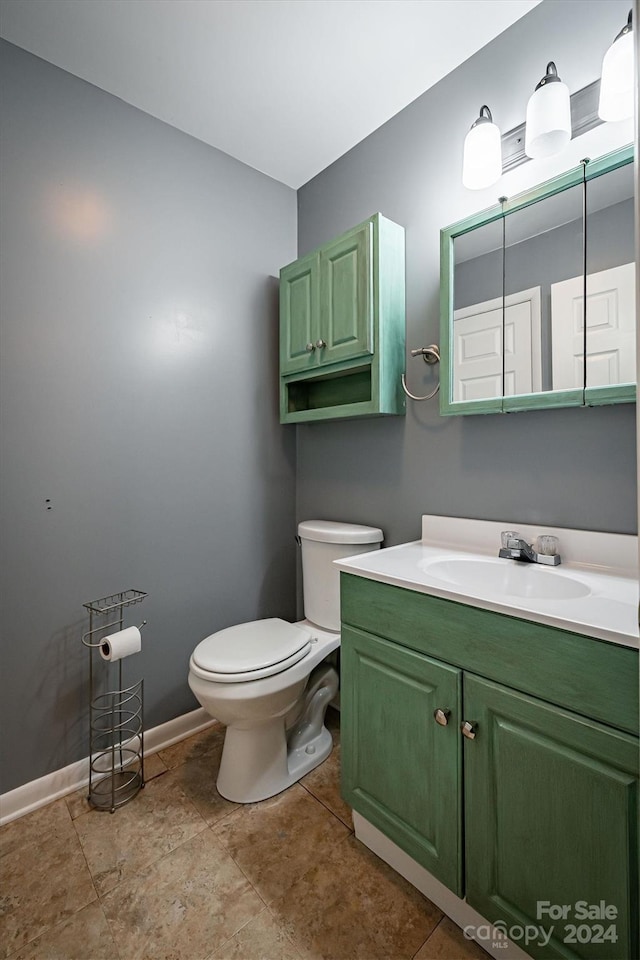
[{"x": 538, "y": 296}]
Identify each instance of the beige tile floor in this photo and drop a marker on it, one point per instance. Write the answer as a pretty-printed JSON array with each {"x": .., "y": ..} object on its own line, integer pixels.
[{"x": 182, "y": 874}]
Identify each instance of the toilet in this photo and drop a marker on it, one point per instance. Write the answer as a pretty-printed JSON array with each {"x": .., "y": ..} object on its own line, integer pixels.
[{"x": 268, "y": 680}]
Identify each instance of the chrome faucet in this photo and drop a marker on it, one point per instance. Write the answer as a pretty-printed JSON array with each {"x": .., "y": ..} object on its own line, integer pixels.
[{"x": 518, "y": 549}]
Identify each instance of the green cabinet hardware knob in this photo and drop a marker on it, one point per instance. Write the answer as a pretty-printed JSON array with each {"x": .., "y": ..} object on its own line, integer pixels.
[
  {"x": 442, "y": 716},
  {"x": 469, "y": 730}
]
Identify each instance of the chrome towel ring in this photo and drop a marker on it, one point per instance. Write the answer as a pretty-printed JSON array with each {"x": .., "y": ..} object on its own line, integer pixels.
[{"x": 430, "y": 355}]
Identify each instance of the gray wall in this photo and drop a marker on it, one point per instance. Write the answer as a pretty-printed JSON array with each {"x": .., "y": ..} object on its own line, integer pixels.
[
  {"x": 575, "y": 468},
  {"x": 139, "y": 396}
]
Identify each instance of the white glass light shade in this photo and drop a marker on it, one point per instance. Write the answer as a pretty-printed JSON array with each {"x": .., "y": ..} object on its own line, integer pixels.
[
  {"x": 616, "y": 84},
  {"x": 482, "y": 156},
  {"x": 548, "y": 128}
]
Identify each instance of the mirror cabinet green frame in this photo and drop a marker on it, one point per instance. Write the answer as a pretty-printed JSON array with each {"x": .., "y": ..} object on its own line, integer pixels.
[{"x": 537, "y": 296}]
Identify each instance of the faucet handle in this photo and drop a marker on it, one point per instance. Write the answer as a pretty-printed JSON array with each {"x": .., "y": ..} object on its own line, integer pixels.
[{"x": 547, "y": 545}]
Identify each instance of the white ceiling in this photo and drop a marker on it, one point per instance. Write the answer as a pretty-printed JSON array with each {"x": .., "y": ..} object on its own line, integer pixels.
[{"x": 286, "y": 86}]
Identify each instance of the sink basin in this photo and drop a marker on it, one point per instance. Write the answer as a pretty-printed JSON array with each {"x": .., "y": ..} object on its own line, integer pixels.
[{"x": 506, "y": 577}]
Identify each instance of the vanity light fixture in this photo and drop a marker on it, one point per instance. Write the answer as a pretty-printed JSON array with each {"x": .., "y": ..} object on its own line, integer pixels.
[
  {"x": 548, "y": 123},
  {"x": 553, "y": 116},
  {"x": 482, "y": 155},
  {"x": 616, "y": 84}
]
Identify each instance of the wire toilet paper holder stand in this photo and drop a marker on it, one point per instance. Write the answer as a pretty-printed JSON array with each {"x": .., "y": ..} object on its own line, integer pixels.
[{"x": 116, "y": 723}]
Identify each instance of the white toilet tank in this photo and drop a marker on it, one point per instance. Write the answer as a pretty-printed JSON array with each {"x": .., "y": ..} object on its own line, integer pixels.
[{"x": 324, "y": 541}]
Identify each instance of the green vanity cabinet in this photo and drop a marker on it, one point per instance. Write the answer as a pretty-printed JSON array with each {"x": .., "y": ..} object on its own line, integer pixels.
[
  {"x": 543, "y": 806},
  {"x": 342, "y": 320}
]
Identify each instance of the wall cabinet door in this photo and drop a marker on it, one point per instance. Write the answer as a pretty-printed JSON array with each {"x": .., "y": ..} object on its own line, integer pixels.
[
  {"x": 299, "y": 314},
  {"x": 400, "y": 768},
  {"x": 551, "y": 813},
  {"x": 346, "y": 296},
  {"x": 326, "y": 304}
]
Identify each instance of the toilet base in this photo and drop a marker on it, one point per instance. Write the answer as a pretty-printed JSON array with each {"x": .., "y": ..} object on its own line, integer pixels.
[
  {"x": 303, "y": 759},
  {"x": 260, "y": 761},
  {"x": 256, "y": 764}
]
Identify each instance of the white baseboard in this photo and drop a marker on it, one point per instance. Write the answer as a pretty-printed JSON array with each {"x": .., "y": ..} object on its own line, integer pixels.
[
  {"x": 16, "y": 803},
  {"x": 166, "y": 734}
]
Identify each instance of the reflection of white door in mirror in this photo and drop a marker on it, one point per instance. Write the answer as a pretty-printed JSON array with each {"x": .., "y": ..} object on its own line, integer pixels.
[
  {"x": 611, "y": 329},
  {"x": 477, "y": 352}
]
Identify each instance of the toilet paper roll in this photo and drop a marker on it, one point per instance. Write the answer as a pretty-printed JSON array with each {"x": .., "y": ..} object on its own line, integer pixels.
[{"x": 121, "y": 644}]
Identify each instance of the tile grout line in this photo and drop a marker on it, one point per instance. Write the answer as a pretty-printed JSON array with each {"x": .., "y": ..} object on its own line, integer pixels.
[
  {"x": 327, "y": 807},
  {"x": 224, "y": 847},
  {"x": 211, "y": 956},
  {"x": 284, "y": 931},
  {"x": 429, "y": 937},
  {"x": 84, "y": 856},
  {"x": 113, "y": 939}
]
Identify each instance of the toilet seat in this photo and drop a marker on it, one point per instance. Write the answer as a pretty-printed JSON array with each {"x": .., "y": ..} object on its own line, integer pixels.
[{"x": 250, "y": 651}]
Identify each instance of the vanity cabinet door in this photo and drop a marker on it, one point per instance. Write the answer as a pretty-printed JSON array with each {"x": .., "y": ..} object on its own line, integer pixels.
[
  {"x": 299, "y": 314},
  {"x": 401, "y": 768},
  {"x": 551, "y": 814}
]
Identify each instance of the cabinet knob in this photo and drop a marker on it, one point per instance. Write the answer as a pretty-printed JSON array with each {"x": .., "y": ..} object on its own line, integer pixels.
[
  {"x": 469, "y": 729},
  {"x": 442, "y": 716},
  {"x": 310, "y": 347},
  {"x": 320, "y": 344}
]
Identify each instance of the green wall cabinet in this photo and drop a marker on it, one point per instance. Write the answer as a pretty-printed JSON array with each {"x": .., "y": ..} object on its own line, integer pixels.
[
  {"x": 539, "y": 801},
  {"x": 342, "y": 327}
]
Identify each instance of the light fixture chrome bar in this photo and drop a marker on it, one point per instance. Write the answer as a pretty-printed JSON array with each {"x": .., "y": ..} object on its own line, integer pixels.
[
  {"x": 584, "y": 109},
  {"x": 584, "y": 117}
]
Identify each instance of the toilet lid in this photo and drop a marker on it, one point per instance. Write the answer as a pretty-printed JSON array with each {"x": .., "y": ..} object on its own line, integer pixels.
[{"x": 259, "y": 649}]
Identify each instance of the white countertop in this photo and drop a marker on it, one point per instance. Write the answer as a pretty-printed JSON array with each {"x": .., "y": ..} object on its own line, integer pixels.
[{"x": 606, "y": 609}]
